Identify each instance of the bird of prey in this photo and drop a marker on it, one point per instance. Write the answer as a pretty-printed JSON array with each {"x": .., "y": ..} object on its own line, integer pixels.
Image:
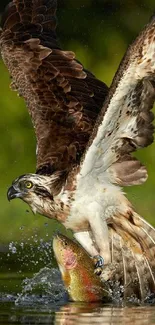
[{"x": 85, "y": 135}]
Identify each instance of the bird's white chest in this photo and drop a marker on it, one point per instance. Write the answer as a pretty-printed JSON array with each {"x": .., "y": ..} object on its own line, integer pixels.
[
  {"x": 95, "y": 199},
  {"x": 89, "y": 204}
]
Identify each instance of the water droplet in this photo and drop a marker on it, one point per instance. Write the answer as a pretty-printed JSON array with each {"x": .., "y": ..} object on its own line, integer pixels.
[{"x": 46, "y": 224}]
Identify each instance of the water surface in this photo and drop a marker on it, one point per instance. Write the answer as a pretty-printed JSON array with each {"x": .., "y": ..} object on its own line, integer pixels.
[
  {"x": 68, "y": 313},
  {"x": 32, "y": 292}
]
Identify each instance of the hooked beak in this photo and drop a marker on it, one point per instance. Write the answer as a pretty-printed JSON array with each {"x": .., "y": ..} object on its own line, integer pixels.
[{"x": 12, "y": 193}]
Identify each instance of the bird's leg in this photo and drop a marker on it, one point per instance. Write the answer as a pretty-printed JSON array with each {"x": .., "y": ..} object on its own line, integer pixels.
[
  {"x": 86, "y": 241},
  {"x": 100, "y": 234},
  {"x": 96, "y": 242}
]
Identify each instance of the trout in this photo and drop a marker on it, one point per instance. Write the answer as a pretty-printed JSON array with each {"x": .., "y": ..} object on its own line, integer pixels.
[{"x": 77, "y": 270}]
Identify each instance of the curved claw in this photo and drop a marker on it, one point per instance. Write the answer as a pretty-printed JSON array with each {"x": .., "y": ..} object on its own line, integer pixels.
[{"x": 99, "y": 263}]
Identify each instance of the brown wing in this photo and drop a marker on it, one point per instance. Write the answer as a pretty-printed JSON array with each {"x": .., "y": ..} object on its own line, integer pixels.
[{"x": 63, "y": 99}]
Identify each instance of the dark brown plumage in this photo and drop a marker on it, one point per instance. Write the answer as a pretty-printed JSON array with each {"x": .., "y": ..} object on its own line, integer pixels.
[{"x": 62, "y": 97}]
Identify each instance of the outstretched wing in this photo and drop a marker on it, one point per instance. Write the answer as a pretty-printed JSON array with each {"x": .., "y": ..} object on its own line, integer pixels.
[
  {"x": 63, "y": 99},
  {"x": 127, "y": 123}
]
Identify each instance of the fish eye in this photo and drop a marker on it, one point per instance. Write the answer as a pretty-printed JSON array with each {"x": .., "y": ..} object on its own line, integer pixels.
[
  {"x": 28, "y": 184},
  {"x": 65, "y": 243}
]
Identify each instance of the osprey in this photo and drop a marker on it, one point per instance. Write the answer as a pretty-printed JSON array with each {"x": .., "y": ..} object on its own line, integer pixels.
[{"x": 85, "y": 137}]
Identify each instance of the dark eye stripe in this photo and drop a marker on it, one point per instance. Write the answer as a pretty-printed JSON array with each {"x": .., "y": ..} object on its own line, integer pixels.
[{"x": 43, "y": 192}]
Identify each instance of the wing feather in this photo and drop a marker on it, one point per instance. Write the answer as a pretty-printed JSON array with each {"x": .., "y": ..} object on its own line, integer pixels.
[
  {"x": 125, "y": 122},
  {"x": 62, "y": 97},
  {"x": 132, "y": 273}
]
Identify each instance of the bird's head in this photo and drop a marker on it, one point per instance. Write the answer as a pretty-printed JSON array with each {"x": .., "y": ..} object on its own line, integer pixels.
[{"x": 36, "y": 190}]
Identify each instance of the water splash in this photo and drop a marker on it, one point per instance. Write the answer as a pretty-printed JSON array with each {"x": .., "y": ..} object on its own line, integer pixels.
[
  {"x": 27, "y": 260},
  {"x": 44, "y": 287},
  {"x": 32, "y": 252}
]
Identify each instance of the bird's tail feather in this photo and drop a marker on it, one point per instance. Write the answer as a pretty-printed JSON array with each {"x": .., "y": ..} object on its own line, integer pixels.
[{"x": 133, "y": 255}]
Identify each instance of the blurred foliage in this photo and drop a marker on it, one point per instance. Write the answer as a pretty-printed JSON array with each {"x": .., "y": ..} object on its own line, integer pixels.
[{"x": 99, "y": 32}]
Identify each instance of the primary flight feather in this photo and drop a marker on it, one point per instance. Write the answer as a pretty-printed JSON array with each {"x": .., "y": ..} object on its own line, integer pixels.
[
  {"x": 81, "y": 164},
  {"x": 63, "y": 99}
]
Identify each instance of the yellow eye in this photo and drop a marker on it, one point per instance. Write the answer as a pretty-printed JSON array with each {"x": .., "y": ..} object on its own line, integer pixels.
[{"x": 28, "y": 184}]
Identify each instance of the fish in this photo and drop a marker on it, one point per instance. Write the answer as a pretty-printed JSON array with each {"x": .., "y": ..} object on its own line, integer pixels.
[{"x": 77, "y": 271}]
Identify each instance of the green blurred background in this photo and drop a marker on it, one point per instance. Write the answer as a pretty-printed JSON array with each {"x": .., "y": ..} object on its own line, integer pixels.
[{"x": 99, "y": 32}]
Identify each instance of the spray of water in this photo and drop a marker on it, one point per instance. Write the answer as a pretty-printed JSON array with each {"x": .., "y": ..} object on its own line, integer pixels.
[{"x": 35, "y": 267}]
